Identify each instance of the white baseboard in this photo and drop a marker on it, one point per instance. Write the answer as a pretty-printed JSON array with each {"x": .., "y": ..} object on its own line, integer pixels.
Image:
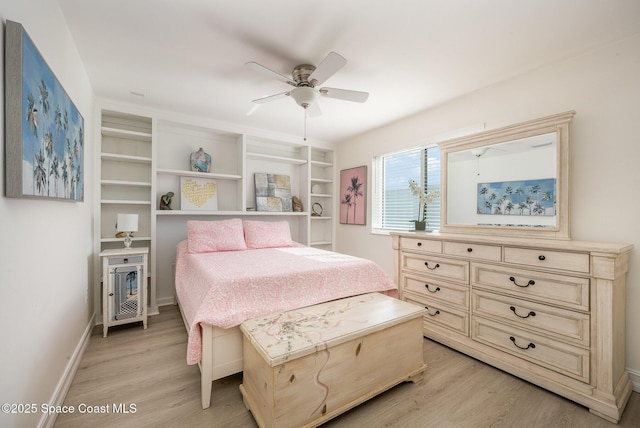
[
  {"x": 60, "y": 393},
  {"x": 635, "y": 380},
  {"x": 166, "y": 301}
]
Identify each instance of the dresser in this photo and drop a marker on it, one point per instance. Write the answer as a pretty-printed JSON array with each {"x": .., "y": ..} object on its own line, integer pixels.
[{"x": 551, "y": 312}]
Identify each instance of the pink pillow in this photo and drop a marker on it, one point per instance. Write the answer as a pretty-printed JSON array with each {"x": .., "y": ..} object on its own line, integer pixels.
[
  {"x": 267, "y": 234},
  {"x": 211, "y": 236}
]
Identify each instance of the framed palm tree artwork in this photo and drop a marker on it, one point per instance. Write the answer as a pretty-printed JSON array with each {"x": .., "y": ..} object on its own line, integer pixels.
[
  {"x": 521, "y": 198},
  {"x": 44, "y": 131},
  {"x": 353, "y": 195}
]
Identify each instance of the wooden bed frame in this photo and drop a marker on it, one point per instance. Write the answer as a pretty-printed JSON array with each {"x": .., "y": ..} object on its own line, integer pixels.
[{"x": 221, "y": 355}]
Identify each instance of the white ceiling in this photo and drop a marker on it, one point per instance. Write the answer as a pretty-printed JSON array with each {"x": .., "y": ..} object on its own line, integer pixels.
[{"x": 189, "y": 55}]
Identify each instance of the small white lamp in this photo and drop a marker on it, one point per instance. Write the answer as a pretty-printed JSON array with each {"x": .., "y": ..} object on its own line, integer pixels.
[{"x": 127, "y": 223}]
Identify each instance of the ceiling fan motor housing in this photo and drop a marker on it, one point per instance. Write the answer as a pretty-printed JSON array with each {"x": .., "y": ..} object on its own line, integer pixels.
[{"x": 301, "y": 75}]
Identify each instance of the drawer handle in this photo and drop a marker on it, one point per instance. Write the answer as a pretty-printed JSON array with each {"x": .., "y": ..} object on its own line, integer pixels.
[
  {"x": 437, "y": 312},
  {"x": 469, "y": 250},
  {"x": 530, "y": 345},
  {"x": 531, "y": 282},
  {"x": 429, "y": 290},
  {"x": 530, "y": 314},
  {"x": 433, "y": 268},
  {"x": 419, "y": 244},
  {"x": 541, "y": 258}
]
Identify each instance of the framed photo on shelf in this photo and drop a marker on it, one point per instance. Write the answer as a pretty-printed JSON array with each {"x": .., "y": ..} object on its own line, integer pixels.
[
  {"x": 44, "y": 131},
  {"x": 198, "y": 194},
  {"x": 353, "y": 195}
]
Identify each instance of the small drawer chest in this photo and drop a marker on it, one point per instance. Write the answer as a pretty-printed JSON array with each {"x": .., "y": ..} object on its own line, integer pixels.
[
  {"x": 549, "y": 311},
  {"x": 124, "y": 279}
]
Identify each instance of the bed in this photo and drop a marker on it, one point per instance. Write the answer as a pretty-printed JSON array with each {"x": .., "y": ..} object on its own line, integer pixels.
[{"x": 229, "y": 271}]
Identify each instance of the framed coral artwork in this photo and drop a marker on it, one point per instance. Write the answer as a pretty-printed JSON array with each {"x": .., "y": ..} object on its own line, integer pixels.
[
  {"x": 353, "y": 195},
  {"x": 44, "y": 131}
]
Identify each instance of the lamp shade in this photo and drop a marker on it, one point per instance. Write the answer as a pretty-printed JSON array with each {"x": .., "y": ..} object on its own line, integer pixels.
[{"x": 127, "y": 223}]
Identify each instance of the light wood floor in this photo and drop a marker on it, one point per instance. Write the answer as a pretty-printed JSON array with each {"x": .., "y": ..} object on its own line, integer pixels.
[{"x": 148, "y": 368}]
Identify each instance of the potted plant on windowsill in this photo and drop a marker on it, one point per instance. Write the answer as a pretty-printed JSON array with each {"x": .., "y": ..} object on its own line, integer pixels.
[{"x": 424, "y": 199}]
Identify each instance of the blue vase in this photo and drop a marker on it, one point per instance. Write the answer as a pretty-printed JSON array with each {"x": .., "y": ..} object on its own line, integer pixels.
[{"x": 200, "y": 161}]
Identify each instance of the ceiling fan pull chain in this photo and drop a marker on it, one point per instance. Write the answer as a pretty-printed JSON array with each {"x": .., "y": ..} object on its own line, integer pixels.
[{"x": 305, "y": 124}]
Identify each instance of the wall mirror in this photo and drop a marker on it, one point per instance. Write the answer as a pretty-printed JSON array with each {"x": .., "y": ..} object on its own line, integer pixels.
[{"x": 509, "y": 181}]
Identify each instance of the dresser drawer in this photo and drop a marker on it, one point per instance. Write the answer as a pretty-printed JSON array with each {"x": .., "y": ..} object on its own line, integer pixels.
[
  {"x": 417, "y": 244},
  {"x": 436, "y": 267},
  {"x": 547, "y": 352},
  {"x": 559, "y": 290},
  {"x": 441, "y": 315},
  {"x": 540, "y": 258},
  {"x": 473, "y": 251},
  {"x": 439, "y": 291},
  {"x": 544, "y": 319}
]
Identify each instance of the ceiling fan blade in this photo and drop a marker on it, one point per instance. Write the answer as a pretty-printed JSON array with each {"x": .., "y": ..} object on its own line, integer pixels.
[
  {"x": 271, "y": 98},
  {"x": 252, "y": 110},
  {"x": 314, "y": 110},
  {"x": 327, "y": 68},
  {"x": 344, "y": 94},
  {"x": 269, "y": 72}
]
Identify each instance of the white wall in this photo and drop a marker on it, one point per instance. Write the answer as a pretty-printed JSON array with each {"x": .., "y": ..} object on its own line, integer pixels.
[
  {"x": 45, "y": 245},
  {"x": 603, "y": 87}
]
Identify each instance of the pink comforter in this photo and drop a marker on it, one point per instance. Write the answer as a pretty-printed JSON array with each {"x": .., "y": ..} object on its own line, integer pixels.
[{"x": 226, "y": 288}]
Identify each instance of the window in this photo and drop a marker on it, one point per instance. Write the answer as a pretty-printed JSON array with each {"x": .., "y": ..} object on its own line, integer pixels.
[{"x": 394, "y": 206}]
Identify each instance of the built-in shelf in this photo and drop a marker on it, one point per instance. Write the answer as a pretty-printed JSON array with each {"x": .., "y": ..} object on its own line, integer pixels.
[
  {"x": 283, "y": 159},
  {"x": 321, "y": 187},
  {"x": 125, "y": 133},
  {"x": 321, "y": 164},
  {"x": 125, "y": 158},
  {"x": 123, "y": 202},
  {"x": 230, "y": 213},
  {"x": 185, "y": 173},
  {"x": 125, "y": 183}
]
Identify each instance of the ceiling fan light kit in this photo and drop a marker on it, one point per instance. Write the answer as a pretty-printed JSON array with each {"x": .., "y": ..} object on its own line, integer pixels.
[{"x": 305, "y": 96}]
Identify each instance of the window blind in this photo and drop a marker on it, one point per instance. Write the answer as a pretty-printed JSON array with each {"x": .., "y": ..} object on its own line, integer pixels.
[{"x": 395, "y": 207}]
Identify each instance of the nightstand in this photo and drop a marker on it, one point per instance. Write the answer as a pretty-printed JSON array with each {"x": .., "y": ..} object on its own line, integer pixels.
[{"x": 124, "y": 287}]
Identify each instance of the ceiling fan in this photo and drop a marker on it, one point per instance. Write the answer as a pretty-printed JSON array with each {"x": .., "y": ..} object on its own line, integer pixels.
[{"x": 305, "y": 78}]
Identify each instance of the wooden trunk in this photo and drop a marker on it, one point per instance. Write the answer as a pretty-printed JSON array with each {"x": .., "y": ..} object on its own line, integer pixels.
[{"x": 304, "y": 367}]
